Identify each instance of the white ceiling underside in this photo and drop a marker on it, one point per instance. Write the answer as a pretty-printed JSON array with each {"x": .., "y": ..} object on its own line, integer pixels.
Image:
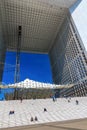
[{"x": 40, "y": 21}]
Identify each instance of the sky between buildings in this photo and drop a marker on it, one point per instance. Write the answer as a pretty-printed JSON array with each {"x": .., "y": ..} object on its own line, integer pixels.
[{"x": 32, "y": 66}]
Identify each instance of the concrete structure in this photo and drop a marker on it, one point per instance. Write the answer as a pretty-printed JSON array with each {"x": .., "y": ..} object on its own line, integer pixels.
[
  {"x": 72, "y": 124},
  {"x": 47, "y": 27},
  {"x": 60, "y": 111},
  {"x": 68, "y": 59},
  {"x": 78, "y": 12}
]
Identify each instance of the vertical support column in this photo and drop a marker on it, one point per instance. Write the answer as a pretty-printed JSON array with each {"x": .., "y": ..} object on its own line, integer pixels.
[{"x": 17, "y": 69}]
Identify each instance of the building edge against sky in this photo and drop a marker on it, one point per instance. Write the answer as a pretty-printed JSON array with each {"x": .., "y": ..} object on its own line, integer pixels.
[
  {"x": 68, "y": 58},
  {"x": 78, "y": 13}
]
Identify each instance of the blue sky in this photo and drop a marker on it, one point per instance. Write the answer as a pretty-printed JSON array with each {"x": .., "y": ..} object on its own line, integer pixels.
[{"x": 33, "y": 66}]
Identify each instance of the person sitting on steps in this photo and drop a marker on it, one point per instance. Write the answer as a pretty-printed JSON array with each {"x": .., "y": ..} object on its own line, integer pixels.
[
  {"x": 36, "y": 118},
  {"x": 32, "y": 119},
  {"x": 11, "y": 112},
  {"x": 45, "y": 110}
]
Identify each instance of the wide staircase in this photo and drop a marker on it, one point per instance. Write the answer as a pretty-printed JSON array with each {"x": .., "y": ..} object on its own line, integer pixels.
[{"x": 60, "y": 109}]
